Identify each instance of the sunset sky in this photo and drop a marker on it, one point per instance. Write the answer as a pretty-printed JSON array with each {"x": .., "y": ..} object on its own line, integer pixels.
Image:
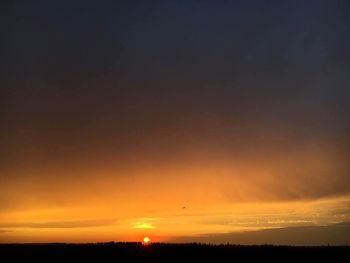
[{"x": 173, "y": 119}]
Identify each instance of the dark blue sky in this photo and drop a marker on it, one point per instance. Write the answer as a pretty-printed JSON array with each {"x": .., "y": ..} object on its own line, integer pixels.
[{"x": 242, "y": 78}]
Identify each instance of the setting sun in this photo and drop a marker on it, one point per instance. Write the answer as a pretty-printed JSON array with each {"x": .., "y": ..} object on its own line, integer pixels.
[{"x": 146, "y": 240}]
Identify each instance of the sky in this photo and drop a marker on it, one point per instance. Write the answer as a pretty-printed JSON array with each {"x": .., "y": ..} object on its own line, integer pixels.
[{"x": 174, "y": 120}]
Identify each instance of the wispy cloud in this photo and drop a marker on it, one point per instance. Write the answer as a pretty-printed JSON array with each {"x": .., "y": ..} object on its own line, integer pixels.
[
  {"x": 336, "y": 234},
  {"x": 61, "y": 224},
  {"x": 3, "y": 231}
]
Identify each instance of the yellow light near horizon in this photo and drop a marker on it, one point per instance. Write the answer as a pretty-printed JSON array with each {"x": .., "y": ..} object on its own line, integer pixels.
[
  {"x": 146, "y": 240},
  {"x": 144, "y": 226}
]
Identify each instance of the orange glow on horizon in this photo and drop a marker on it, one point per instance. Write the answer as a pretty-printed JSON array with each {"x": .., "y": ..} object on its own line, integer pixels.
[
  {"x": 56, "y": 225},
  {"x": 220, "y": 196}
]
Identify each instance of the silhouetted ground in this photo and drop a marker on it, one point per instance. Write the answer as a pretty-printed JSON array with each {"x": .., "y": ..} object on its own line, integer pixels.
[{"x": 119, "y": 252}]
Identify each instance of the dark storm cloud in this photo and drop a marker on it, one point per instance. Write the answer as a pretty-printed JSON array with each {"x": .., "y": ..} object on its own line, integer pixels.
[{"x": 83, "y": 82}]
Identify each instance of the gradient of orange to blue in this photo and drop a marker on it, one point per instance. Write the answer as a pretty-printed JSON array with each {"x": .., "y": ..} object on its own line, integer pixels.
[{"x": 175, "y": 120}]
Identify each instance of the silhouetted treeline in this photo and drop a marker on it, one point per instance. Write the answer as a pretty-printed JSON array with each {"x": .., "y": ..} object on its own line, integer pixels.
[{"x": 113, "y": 252}]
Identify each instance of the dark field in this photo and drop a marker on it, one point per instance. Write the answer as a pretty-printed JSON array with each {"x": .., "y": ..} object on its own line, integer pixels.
[{"x": 115, "y": 252}]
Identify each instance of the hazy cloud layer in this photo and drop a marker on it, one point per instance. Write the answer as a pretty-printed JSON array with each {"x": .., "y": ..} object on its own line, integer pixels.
[{"x": 151, "y": 106}]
